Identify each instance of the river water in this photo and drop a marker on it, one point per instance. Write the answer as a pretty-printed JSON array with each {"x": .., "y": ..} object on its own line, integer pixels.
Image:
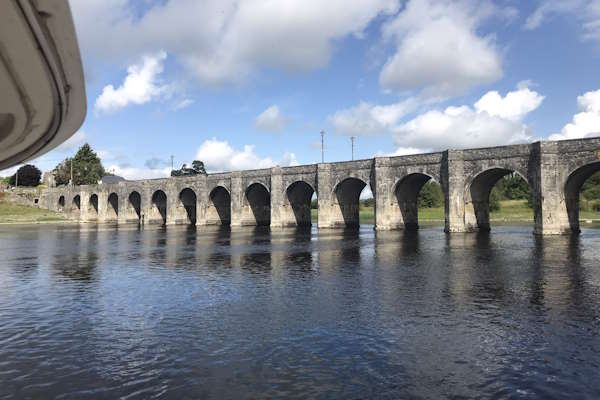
[{"x": 106, "y": 312}]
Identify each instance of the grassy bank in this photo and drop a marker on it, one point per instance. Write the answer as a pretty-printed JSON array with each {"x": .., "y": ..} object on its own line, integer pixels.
[
  {"x": 14, "y": 214},
  {"x": 510, "y": 211}
]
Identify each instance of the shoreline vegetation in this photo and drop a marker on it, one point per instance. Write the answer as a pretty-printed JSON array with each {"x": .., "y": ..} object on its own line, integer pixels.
[{"x": 510, "y": 211}]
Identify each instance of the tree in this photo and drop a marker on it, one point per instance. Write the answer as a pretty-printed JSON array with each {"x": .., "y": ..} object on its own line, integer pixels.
[
  {"x": 29, "y": 175},
  {"x": 197, "y": 169},
  {"x": 198, "y": 166},
  {"x": 591, "y": 188},
  {"x": 87, "y": 168},
  {"x": 431, "y": 195},
  {"x": 62, "y": 172}
]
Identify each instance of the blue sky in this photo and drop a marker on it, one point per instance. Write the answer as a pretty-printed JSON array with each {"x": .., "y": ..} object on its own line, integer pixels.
[{"x": 249, "y": 84}]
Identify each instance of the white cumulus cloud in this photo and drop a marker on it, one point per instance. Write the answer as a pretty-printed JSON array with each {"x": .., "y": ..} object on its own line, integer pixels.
[
  {"x": 219, "y": 155},
  {"x": 141, "y": 85},
  {"x": 514, "y": 106},
  {"x": 438, "y": 48},
  {"x": 487, "y": 123},
  {"x": 271, "y": 120},
  {"x": 367, "y": 118},
  {"x": 586, "y": 123},
  {"x": 224, "y": 41}
]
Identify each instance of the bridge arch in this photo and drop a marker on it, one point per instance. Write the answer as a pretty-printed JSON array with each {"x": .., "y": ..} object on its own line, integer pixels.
[
  {"x": 76, "y": 204},
  {"x": 61, "y": 203},
  {"x": 572, "y": 189},
  {"x": 299, "y": 195},
  {"x": 158, "y": 211},
  {"x": 112, "y": 209},
  {"x": 347, "y": 196},
  {"x": 134, "y": 206},
  {"x": 187, "y": 200},
  {"x": 258, "y": 199},
  {"x": 406, "y": 192},
  {"x": 93, "y": 206},
  {"x": 218, "y": 211},
  {"x": 477, "y": 195}
]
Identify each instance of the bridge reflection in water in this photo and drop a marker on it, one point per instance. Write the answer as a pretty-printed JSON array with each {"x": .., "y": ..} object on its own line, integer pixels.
[{"x": 221, "y": 312}]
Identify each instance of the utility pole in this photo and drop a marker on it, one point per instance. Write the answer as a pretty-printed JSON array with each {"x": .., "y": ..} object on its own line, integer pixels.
[
  {"x": 17, "y": 178},
  {"x": 352, "y": 140},
  {"x": 322, "y": 146},
  {"x": 171, "y": 162},
  {"x": 71, "y": 181}
]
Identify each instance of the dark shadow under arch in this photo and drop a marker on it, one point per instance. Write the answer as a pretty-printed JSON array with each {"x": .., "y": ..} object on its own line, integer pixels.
[
  {"x": 572, "y": 189},
  {"x": 61, "y": 203},
  {"x": 187, "y": 197},
  {"x": 135, "y": 202},
  {"x": 221, "y": 201},
  {"x": 348, "y": 193},
  {"x": 299, "y": 194},
  {"x": 113, "y": 204},
  {"x": 407, "y": 194},
  {"x": 93, "y": 206},
  {"x": 76, "y": 203},
  {"x": 159, "y": 201},
  {"x": 259, "y": 200}
]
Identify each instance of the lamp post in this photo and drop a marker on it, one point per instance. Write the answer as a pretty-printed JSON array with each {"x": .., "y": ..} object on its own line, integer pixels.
[
  {"x": 17, "y": 178},
  {"x": 172, "y": 162},
  {"x": 322, "y": 146},
  {"x": 352, "y": 140}
]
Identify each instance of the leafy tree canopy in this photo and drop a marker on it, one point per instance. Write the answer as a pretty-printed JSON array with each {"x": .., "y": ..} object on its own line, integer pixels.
[
  {"x": 431, "y": 195},
  {"x": 29, "y": 175},
  {"x": 87, "y": 168},
  {"x": 196, "y": 169}
]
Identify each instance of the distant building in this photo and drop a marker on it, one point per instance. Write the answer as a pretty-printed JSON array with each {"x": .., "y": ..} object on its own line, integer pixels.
[{"x": 111, "y": 179}]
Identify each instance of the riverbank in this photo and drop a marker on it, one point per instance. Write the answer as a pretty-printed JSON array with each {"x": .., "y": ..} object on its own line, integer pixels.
[
  {"x": 19, "y": 214},
  {"x": 510, "y": 211}
]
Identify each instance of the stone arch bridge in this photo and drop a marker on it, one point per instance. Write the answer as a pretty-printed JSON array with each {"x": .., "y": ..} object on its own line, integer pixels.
[{"x": 281, "y": 197}]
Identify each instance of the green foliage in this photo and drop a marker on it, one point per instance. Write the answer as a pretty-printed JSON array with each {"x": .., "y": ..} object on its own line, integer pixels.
[
  {"x": 495, "y": 196},
  {"x": 370, "y": 202},
  {"x": 591, "y": 188},
  {"x": 87, "y": 168},
  {"x": 5, "y": 180},
  {"x": 62, "y": 172},
  {"x": 198, "y": 166},
  {"x": 197, "y": 169},
  {"x": 431, "y": 195},
  {"x": 29, "y": 175},
  {"x": 314, "y": 204},
  {"x": 511, "y": 187}
]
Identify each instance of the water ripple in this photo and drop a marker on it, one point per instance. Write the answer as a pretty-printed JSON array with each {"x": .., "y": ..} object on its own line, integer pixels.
[{"x": 117, "y": 312}]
